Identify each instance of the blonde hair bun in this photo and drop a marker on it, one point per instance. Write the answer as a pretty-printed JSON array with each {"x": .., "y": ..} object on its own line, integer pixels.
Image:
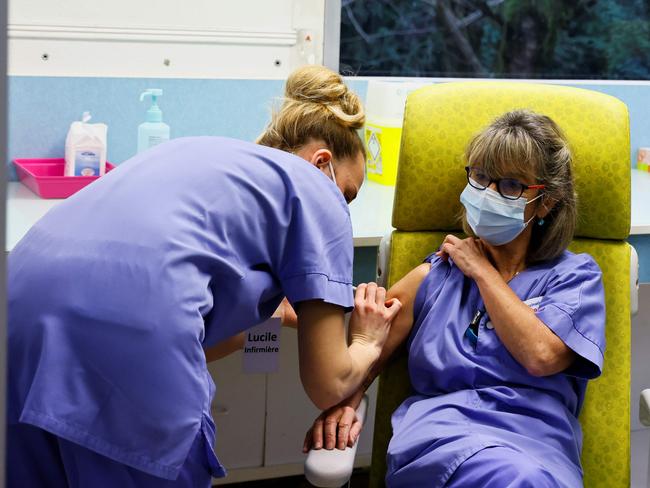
[
  {"x": 317, "y": 105},
  {"x": 322, "y": 86}
]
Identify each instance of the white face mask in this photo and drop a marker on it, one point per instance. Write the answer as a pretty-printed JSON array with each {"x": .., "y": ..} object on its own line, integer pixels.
[
  {"x": 493, "y": 218},
  {"x": 332, "y": 172}
]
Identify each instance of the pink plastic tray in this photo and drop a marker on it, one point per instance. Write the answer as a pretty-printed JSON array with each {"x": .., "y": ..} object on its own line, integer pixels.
[{"x": 45, "y": 177}]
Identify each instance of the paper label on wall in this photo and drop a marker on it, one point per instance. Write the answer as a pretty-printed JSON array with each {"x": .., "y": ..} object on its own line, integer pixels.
[
  {"x": 262, "y": 347},
  {"x": 373, "y": 141},
  {"x": 374, "y": 146}
]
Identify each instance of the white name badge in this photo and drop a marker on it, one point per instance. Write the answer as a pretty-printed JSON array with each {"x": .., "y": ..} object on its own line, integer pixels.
[
  {"x": 262, "y": 347},
  {"x": 533, "y": 303}
]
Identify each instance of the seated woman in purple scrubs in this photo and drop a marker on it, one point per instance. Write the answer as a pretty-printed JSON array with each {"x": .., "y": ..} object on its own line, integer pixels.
[
  {"x": 504, "y": 328},
  {"x": 115, "y": 293}
]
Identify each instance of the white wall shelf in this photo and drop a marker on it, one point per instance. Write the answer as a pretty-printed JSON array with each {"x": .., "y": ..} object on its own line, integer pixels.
[
  {"x": 640, "y": 202},
  {"x": 371, "y": 212}
]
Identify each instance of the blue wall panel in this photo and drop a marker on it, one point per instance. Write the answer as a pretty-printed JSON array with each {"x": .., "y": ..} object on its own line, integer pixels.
[{"x": 41, "y": 109}]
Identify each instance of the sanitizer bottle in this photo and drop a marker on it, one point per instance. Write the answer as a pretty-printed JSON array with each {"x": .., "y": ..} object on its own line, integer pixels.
[{"x": 153, "y": 131}]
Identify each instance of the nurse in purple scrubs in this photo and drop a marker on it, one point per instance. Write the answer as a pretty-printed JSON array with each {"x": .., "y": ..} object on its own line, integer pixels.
[
  {"x": 503, "y": 329},
  {"x": 115, "y": 293}
]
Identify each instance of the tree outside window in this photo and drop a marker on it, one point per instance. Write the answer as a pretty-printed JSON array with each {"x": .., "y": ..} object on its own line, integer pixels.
[{"x": 558, "y": 39}]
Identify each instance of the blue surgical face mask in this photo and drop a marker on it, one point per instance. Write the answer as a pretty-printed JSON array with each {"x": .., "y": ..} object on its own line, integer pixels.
[{"x": 494, "y": 219}]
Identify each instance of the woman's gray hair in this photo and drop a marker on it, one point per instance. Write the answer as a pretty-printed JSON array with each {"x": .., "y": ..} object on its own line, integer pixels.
[{"x": 532, "y": 145}]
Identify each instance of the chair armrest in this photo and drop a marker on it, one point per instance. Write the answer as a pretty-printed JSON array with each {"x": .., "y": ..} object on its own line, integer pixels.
[
  {"x": 383, "y": 258},
  {"x": 332, "y": 469},
  {"x": 644, "y": 407}
]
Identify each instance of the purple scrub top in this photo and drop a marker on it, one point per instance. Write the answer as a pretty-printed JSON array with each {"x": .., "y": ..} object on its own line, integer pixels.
[
  {"x": 472, "y": 396},
  {"x": 113, "y": 294}
]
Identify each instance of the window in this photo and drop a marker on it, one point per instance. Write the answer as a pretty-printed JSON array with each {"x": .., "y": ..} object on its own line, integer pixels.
[{"x": 552, "y": 39}]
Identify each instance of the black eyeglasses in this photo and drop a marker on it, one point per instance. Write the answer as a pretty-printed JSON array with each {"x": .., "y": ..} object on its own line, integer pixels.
[{"x": 509, "y": 188}]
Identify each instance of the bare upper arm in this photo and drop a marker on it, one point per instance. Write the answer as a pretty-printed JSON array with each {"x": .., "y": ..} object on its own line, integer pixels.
[
  {"x": 555, "y": 357},
  {"x": 405, "y": 290}
]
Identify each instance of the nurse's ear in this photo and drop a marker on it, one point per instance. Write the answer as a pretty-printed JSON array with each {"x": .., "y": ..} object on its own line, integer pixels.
[
  {"x": 315, "y": 152},
  {"x": 321, "y": 158}
]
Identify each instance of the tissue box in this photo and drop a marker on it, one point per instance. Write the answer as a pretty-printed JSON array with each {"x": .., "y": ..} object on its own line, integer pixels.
[
  {"x": 45, "y": 177},
  {"x": 643, "y": 159}
]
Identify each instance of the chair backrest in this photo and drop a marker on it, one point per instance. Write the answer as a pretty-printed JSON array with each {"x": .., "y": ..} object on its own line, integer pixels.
[{"x": 439, "y": 121}]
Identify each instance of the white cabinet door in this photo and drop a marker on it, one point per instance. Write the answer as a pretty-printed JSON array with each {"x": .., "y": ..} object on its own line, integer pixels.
[
  {"x": 238, "y": 410},
  {"x": 290, "y": 412}
]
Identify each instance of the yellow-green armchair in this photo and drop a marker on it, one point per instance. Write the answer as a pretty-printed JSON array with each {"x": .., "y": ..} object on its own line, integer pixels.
[{"x": 439, "y": 121}]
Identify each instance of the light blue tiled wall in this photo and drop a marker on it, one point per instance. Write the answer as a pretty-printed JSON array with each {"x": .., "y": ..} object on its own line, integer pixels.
[{"x": 41, "y": 109}]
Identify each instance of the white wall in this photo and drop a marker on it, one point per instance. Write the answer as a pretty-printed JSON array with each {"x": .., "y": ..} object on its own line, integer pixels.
[{"x": 164, "y": 38}]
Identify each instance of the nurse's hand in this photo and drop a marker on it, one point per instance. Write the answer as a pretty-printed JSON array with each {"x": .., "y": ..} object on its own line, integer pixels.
[
  {"x": 372, "y": 316},
  {"x": 336, "y": 427},
  {"x": 468, "y": 254}
]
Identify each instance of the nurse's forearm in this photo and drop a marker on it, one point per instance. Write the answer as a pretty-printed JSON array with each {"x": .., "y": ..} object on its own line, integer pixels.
[
  {"x": 527, "y": 338},
  {"x": 404, "y": 290},
  {"x": 225, "y": 347},
  {"x": 396, "y": 338},
  {"x": 330, "y": 370}
]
